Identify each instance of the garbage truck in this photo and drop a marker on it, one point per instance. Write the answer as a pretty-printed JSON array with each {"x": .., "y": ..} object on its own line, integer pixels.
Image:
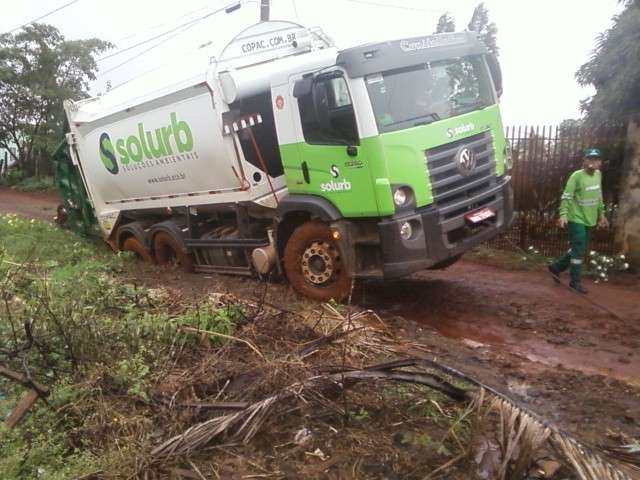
[{"x": 288, "y": 156}]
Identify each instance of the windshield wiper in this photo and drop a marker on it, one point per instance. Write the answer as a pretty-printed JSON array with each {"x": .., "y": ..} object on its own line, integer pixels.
[
  {"x": 433, "y": 115},
  {"x": 463, "y": 107}
]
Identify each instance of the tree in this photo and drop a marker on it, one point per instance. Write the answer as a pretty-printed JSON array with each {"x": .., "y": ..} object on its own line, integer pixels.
[
  {"x": 446, "y": 23},
  {"x": 614, "y": 70},
  {"x": 487, "y": 31},
  {"x": 38, "y": 70}
]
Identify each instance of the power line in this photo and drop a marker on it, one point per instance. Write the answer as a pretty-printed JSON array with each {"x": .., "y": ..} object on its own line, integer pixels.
[
  {"x": 186, "y": 26},
  {"x": 148, "y": 49},
  {"x": 397, "y": 7},
  {"x": 45, "y": 15},
  {"x": 162, "y": 24}
]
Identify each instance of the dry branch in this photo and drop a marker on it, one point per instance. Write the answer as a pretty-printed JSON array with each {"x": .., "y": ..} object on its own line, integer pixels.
[
  {"x": 186, "y": 328},
  {"x": 246, "y": 423}
]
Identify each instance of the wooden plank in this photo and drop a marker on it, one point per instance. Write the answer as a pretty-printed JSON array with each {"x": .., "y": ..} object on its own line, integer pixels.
[{"x": 21, "y": 409}]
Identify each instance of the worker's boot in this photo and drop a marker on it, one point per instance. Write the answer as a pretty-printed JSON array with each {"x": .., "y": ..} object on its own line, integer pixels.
[
  {"x": 576, "y": 270},
  {"x": 555, "y": 272},
  {"x": 579, "y": 288}
]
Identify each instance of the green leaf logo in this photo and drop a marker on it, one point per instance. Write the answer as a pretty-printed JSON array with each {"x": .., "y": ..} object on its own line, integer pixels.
[{"x": 108, "y": 154}]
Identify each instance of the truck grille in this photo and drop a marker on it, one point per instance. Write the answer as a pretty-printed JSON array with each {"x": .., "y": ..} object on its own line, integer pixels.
[{"x": 454, "y": 193}]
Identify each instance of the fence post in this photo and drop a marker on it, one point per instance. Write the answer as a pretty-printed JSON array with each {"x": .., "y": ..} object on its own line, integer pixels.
[{"x": 627, "y": 221}]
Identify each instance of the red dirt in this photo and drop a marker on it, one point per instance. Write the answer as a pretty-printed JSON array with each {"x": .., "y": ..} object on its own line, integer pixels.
[
  {"x": 524, "y": 313},
  {"x": 40, "y": 205}
]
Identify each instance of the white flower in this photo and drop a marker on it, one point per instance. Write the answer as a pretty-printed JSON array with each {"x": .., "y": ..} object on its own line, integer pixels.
[
  {"x": 524, "y": 259},
  {"x": 596, "y": 281},
  {"x": 626, "y": 266},
  {"x": 602, "y": 275},
  {"x": 599, "y": 267},
  {"x": 531, "y": 248},
  {"x": 592, "y": 253},
  {"x": 593, "y": 262}
]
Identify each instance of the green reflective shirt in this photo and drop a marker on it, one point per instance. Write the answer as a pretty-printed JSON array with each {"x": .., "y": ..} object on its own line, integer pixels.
[{"x": 582, "y": 198}]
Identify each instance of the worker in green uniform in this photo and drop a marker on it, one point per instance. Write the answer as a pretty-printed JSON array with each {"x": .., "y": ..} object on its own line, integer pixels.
[{"x": 581, "y": 208}]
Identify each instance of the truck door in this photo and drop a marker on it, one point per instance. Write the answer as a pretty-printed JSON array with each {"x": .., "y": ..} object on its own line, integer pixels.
[{"x": 329, "y": 161}]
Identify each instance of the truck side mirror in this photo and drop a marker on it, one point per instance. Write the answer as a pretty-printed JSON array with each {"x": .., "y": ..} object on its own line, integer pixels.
[
  {"x": 302, "y": 87},
  {"x": 496, "y": 72}
]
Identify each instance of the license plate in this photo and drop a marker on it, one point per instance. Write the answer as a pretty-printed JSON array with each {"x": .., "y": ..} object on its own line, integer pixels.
[{"x": 480, "y": 215}]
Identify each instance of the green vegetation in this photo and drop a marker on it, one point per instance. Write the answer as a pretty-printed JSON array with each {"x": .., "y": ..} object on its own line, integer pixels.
[
  {"x": 73, "y": 322},
  {"x": 614, "y": 69},
  {"x": 15, "y": 178}
]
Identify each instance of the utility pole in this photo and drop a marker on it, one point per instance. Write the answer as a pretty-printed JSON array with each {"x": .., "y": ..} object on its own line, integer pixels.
[{"x": 264, "y": 10}]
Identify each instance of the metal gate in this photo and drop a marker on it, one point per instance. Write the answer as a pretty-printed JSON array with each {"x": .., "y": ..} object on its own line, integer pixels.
[{"x": 544, "y": 157}]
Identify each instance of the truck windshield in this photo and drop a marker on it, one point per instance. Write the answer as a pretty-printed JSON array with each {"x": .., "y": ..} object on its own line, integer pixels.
[{"x": 421, "y": 94}]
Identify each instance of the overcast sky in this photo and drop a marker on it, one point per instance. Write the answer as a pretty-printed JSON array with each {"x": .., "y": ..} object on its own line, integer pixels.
[{"x": 542, "y": 43}]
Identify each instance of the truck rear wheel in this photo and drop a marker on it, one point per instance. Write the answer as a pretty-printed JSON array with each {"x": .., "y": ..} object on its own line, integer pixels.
[
  {"x": 132, "y": 244},
  {"x": 167, "y": 252},
  {"x": 314, "y": 264}
]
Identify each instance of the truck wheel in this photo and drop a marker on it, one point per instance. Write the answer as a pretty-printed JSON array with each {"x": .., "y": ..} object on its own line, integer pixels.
[
  {"x": 167, "y": 252},
  {"x": 132, "y": 244},
  {"x": 314, "y": 264}
]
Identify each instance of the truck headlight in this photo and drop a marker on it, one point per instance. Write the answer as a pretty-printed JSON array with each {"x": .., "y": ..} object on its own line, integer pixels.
[
  {"x": 401, "y": 196},
  {"x": 406, "y": 231}
]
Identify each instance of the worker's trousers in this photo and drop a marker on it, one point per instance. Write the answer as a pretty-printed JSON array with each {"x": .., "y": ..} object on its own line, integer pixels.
[{"x": 578, "y": 240}]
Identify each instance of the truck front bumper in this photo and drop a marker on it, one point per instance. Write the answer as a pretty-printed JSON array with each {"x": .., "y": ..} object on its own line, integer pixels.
[{"x": 442, "y": 233}]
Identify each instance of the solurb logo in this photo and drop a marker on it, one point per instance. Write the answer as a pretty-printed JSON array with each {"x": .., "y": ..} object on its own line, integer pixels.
[{"x": 146, "y": 144}]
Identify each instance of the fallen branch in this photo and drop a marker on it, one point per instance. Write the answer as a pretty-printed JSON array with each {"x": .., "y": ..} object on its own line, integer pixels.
[
  {"x": 446, "y": 466},
  {"x": 186, "y": 328},
  {"x": 36, "y": 390},
  {"x": 315, "y": 345},
  {"x": 24, "y": 381},
  {"x": 245, "y": 424}
]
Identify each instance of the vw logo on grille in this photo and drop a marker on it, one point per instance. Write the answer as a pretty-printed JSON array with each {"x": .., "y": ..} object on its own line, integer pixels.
[{"x": 466, "y": 160}]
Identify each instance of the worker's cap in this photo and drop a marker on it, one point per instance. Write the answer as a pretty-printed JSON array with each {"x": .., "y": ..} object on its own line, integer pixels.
[{"x": 592, "y": 153}]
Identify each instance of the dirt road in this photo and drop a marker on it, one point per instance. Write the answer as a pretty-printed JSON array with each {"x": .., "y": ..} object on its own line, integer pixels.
[
  {"x": 40, "y": 205},
  {"x": 550, "y": 349}
]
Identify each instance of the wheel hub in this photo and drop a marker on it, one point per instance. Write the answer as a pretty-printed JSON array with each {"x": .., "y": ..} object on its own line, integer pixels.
[{"x": 319, "y": 262}]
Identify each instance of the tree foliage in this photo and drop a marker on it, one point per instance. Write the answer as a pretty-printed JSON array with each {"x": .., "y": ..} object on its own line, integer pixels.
[
  {"x": 486, "y": 30},
  {"x": 446, "y": 23},
  {"x": 39, "y": 68},
  {"x": 480, "y": 23},
  {"x": 614, "y": 70}
]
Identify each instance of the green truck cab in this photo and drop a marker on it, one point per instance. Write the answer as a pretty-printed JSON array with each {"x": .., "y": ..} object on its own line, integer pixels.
[{"x": 401, "y": 146}]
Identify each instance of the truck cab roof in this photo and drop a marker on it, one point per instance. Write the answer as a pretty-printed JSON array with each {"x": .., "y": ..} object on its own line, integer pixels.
[{"x": 379, "y": 57}]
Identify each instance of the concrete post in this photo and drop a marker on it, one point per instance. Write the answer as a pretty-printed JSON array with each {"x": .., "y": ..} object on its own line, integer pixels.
[{"x": 628, "y": 218}]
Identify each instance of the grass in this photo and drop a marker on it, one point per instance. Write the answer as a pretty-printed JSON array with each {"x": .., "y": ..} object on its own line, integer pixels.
[
  {"x": 17, "y": 180},
  {"x": 508, "y": 259},
  {"x": 76, "y": 324}
]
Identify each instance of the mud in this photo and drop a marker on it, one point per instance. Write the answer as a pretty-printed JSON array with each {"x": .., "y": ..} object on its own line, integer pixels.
[
  {"x": 523, "y": 313},
  {"x": 40, "y": 205}
]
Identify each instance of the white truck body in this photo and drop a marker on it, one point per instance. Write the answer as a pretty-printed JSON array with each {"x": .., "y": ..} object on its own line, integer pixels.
[{"x": 164, "y": 144}]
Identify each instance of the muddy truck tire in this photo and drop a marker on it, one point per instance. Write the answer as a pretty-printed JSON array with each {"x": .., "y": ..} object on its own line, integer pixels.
[
  {"x": 167, "y": 251},
  {"x": 132, "y": 244},
  {"x": 313, "y": 263}
]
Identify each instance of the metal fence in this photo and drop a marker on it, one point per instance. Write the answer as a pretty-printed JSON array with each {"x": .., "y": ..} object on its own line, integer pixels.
[{"x": 544, "y": 157}]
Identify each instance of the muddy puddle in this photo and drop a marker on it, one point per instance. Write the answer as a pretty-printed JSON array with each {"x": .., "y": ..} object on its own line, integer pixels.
[{"x": 522, "y": 313}]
